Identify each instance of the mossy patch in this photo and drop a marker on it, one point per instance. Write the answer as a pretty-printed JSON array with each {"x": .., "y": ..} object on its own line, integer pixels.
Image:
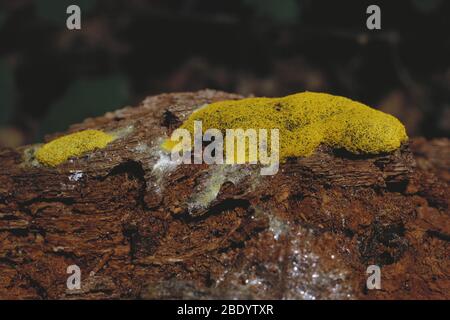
[
  {"x": 305, "y": 121},
  {"x": 73, "y": 145}
]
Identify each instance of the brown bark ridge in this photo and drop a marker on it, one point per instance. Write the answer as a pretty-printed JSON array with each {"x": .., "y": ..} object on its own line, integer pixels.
[{"x": 138, "y": 227}]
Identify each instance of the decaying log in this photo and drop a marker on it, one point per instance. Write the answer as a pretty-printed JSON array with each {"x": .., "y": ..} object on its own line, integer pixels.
[{"x": 140, "y": 228}]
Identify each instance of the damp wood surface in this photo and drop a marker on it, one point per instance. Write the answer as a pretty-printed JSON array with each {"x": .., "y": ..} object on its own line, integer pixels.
[{"x": 139, "y": 229}]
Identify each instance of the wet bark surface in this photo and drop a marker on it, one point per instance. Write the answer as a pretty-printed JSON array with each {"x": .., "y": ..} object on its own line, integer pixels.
[{"x": 140, "y": 227}]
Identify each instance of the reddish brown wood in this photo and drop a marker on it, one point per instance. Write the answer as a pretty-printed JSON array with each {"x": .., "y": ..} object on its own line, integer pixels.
[{"x": 309, "y": 231}]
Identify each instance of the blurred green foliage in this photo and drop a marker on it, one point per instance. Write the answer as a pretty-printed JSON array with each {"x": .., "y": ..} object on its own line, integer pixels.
[
  {"x": 6, "y": 92},
  {"x": 279, "y": 11},
  {"x": 86, "y": 98},
  {"x": 2, "y": 18},
  {"x": 427, "y": 6},
  {"x": 145, "y": 51},
  {"x": 55, "y": 11}
]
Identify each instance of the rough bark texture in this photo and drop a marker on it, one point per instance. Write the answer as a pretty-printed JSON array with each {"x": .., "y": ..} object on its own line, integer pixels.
[{"x": 138, "y": 229}]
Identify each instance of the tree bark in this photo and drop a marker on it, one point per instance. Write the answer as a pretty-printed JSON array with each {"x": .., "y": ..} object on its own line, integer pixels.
[{"x": 140, "y": 228}]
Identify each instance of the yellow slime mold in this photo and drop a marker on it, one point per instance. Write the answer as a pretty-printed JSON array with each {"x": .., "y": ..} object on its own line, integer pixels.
[
  {"x": 306, "y": 120},
  {"x": 73, "y": 145}
]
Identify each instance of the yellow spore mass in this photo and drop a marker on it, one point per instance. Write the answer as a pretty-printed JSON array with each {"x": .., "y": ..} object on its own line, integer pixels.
[
  {"x": 72, "y": 145},
  {"x": 305, "y": 120}
]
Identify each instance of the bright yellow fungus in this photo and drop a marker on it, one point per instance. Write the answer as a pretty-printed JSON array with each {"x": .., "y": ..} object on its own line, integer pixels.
[
  {"x": 73, "y": 145},
  {"x": 306, "y": 120}
]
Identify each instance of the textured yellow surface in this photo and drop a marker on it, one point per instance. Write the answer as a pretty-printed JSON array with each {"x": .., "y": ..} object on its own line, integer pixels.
[
  {"x": 73, "y": 145},
  {"x": 306, "y": 120}
]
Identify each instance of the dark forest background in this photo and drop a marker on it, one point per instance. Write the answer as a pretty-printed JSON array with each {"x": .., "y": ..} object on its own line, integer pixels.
[{"x": 51, "y": 77}]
